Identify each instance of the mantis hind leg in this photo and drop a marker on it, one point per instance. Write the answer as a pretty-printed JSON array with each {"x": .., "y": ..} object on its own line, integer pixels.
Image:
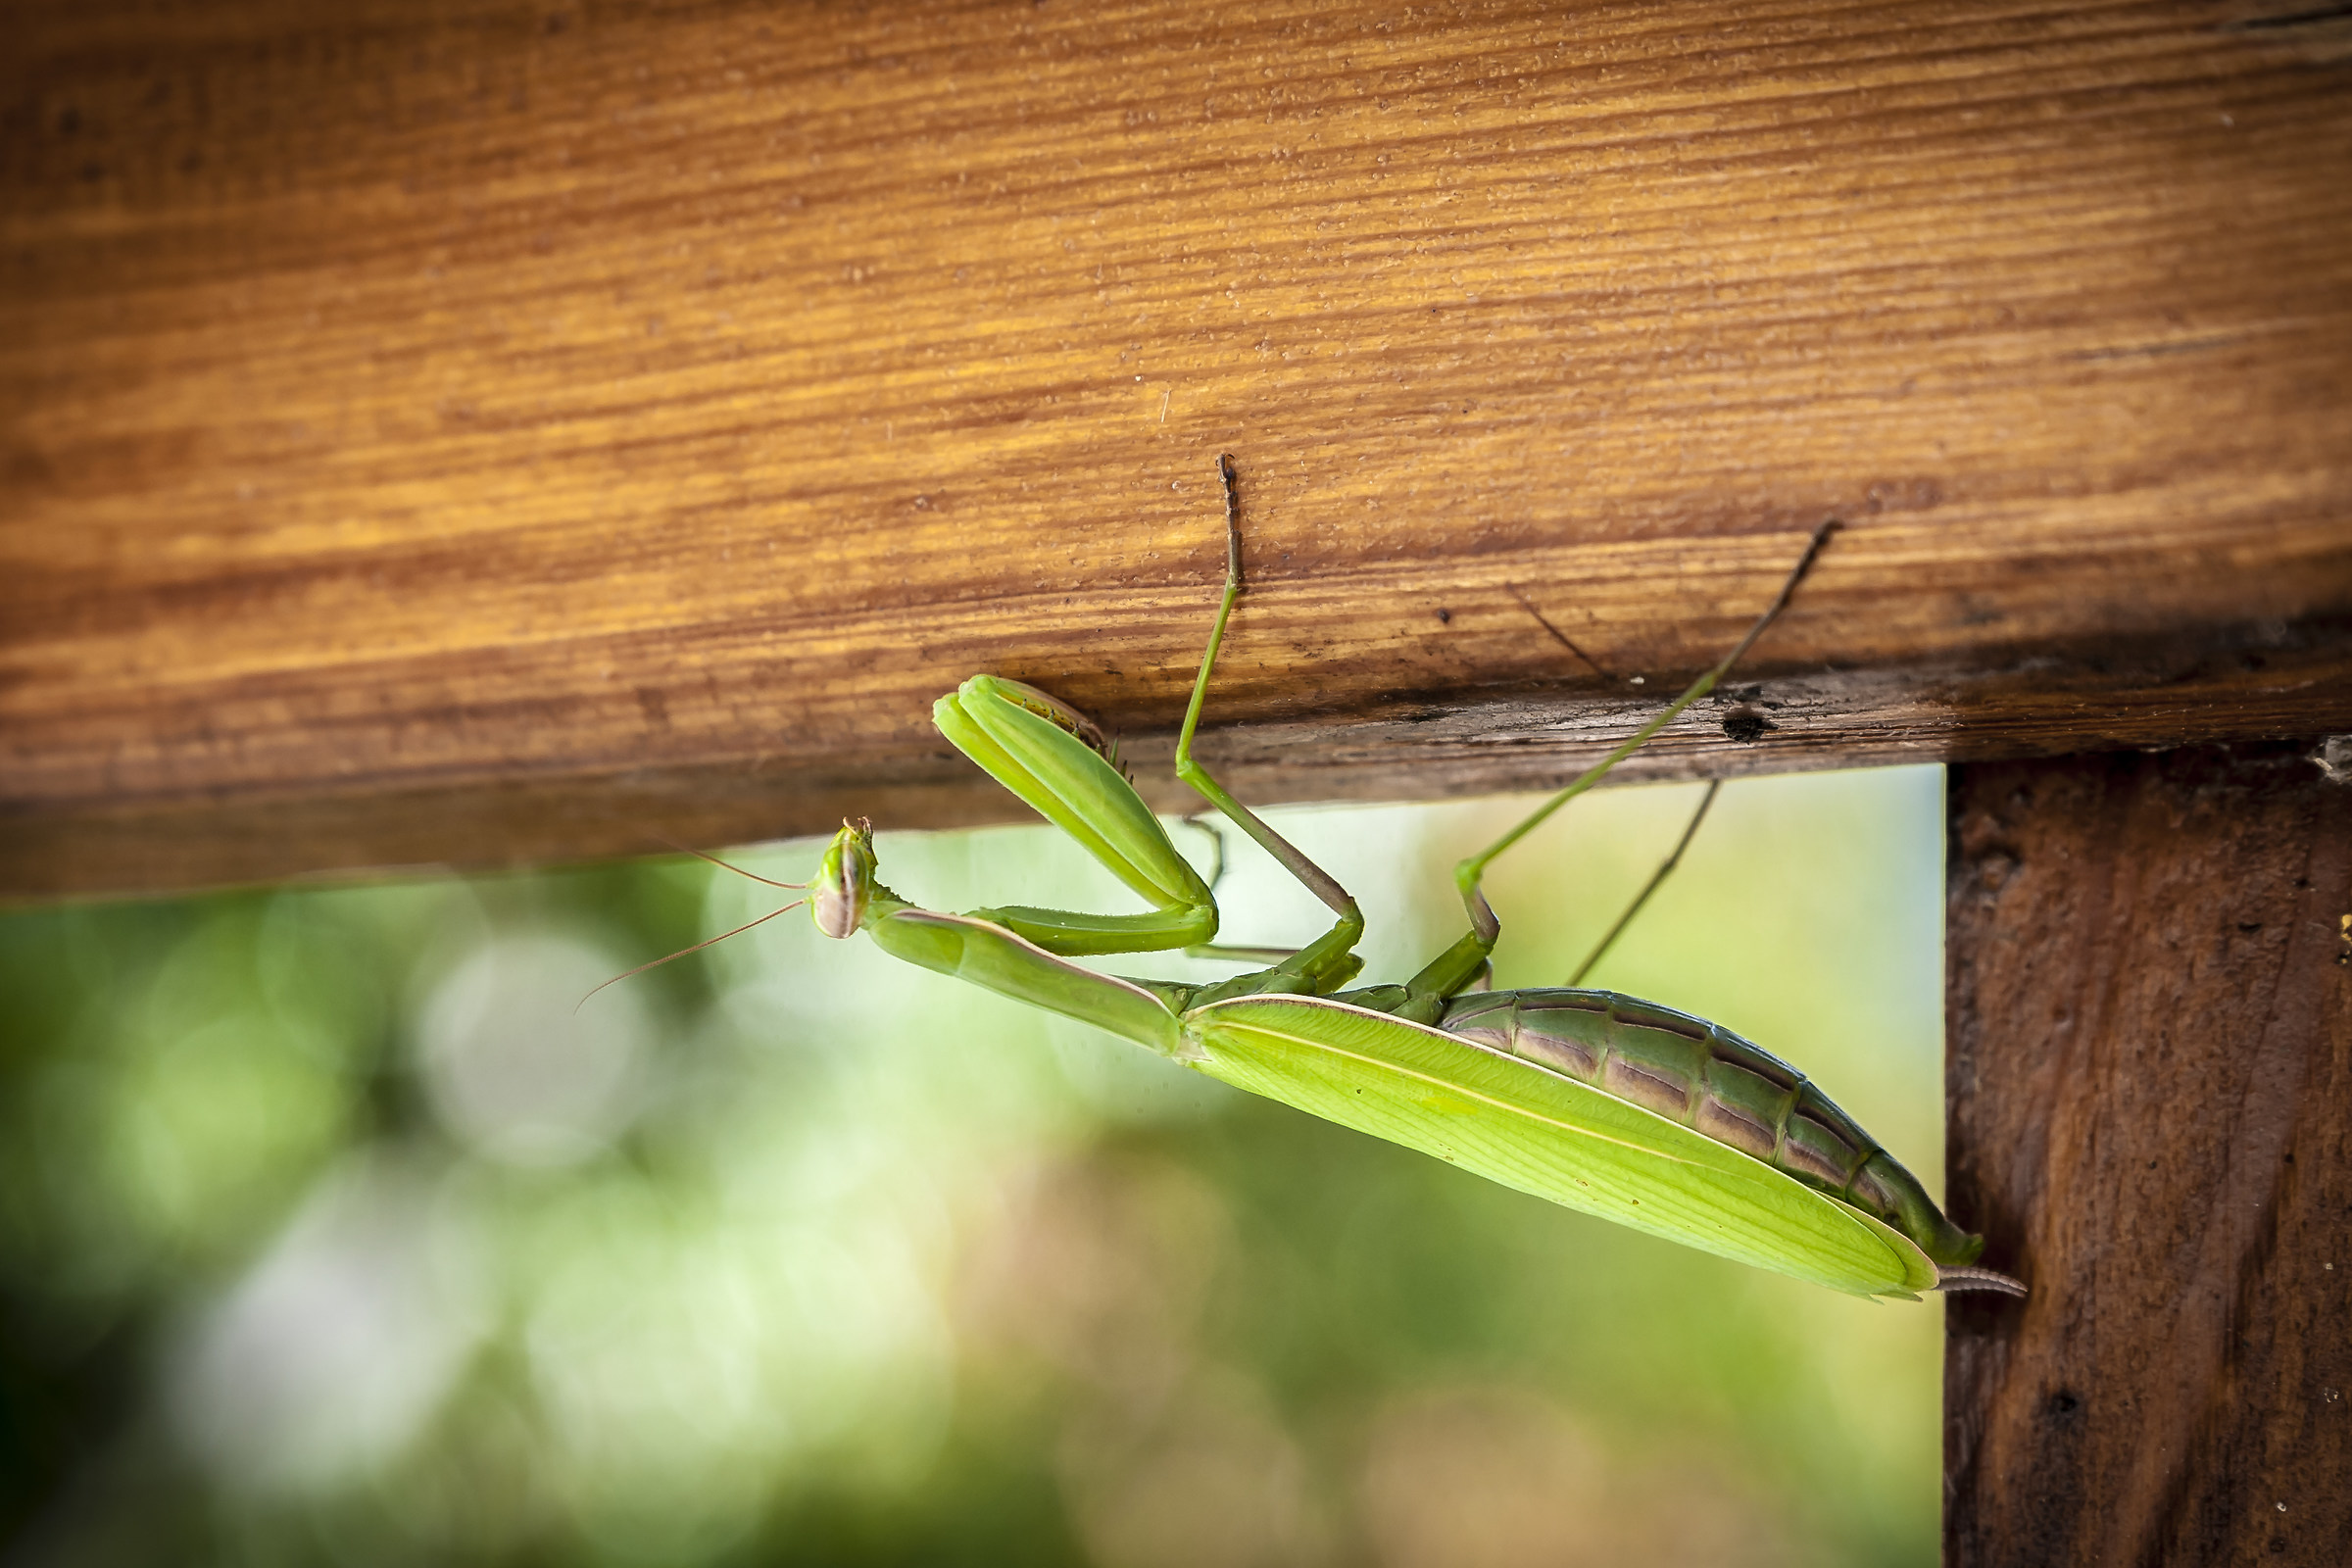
[
  {"x": 1453, "y": 969},
  {"x": 1665, "y": 869},
  {"x": 1055, "y": 758}
]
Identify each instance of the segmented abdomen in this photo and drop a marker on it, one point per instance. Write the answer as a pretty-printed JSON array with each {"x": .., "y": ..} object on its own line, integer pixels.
[{"x": 1709, "y": 1079}]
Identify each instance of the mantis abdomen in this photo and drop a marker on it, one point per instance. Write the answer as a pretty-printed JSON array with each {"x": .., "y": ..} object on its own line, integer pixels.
[{"x": 1715, "y": 1083}]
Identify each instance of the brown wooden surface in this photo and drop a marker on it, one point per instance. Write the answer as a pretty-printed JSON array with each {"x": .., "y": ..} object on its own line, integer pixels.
[
  {"x": 447, "y": 432},
  {"x": 2150, "y": 1071}
]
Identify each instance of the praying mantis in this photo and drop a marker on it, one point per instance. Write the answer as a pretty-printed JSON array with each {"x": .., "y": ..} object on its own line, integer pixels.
[{"x": 1600, "y": 1101}]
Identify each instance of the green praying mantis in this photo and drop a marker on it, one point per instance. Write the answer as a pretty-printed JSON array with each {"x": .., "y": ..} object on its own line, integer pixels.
[{"x": 1600, "y": 1101}]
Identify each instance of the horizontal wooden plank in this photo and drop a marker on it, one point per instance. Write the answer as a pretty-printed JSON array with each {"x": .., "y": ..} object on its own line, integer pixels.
[{"x": 477, "y": 433}]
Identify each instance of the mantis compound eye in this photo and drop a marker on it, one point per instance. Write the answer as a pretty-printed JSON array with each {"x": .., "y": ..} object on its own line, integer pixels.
[{"x": 844, "y": 882}]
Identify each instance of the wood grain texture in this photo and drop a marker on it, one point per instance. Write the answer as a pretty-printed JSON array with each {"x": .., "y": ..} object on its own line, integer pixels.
[
  {"x": 2150, "y": 1073},
  {"x": 472, "y": 433}
]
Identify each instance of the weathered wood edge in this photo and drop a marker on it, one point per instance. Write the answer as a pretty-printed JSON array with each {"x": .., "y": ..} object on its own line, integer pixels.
[{"x": 2264, "y": 682}]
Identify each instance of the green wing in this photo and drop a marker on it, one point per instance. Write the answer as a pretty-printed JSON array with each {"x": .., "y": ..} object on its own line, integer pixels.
[{"x": 1543, "y": 1133}]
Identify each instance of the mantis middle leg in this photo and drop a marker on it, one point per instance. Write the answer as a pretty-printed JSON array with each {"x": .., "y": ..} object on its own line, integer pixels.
[
  {"x": 1055, "y": 758},
  {"x": 1330, "y": 962}
]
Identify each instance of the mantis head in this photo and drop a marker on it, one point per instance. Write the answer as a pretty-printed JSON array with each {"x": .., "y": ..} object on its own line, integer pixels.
[{"x": 845, "y": 880}]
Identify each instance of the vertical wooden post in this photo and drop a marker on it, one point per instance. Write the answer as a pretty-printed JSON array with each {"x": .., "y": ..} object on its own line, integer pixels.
[{"x": 2149, "y": 988}]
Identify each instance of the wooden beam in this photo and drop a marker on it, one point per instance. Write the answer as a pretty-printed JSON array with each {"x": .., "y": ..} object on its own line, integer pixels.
[
  {"x": 489, "y": 432},
  {"x": 2150, "y": 1076}
]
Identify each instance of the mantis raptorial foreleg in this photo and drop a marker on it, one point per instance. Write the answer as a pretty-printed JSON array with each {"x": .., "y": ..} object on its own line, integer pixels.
[{"x": 1023, "y": 738}]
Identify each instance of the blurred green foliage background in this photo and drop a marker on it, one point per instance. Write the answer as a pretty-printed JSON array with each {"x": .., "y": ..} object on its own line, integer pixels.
[{"x": 330, "y": 1232}]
